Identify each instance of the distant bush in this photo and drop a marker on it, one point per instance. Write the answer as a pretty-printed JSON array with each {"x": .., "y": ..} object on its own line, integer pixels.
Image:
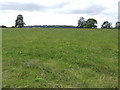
[
  {"x": 3, "y": 26},
  {"x": 13, "y": 27}
]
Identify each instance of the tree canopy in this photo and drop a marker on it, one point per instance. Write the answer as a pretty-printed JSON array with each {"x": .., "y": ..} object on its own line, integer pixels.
[
  {"x": 90, "y": 23},
  {"x": 106, "y": 24},
  {"x": 117, "y": 25},
  {"x": 19, "y": 21}
]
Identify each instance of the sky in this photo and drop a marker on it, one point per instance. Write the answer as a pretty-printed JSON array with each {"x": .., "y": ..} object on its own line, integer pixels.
[{"x": 58, "y": 12}]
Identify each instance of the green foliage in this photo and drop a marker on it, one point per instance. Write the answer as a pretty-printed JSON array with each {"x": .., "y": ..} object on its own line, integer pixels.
[
  {"x": 60, "y": 58},
  {"x": 117, "y": 25},
  {"x": 106, "y": 24},
  {"x": 13, "y": 27},
  {"x": 3, "y": 26},
  {"x": 90, "y": 23}
]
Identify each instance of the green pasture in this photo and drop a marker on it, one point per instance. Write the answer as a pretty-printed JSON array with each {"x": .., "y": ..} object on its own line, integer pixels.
[{"x": 59, "y": 58}]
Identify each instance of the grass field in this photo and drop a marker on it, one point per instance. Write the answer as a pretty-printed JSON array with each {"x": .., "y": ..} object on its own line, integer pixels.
[{"x": 57, "y": 58}]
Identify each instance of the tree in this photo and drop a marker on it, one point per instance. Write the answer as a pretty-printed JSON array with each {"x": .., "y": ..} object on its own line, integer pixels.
[
  {"x": 117, "y": 25},
  {"x": 106, "y": 24},
  {"x": 19, "y": 23},
  {"x": 81, "y": 22},
  {"x": 90, "y": 23},
  {"x": 13, "y": 27},
  {"x": 3, "y": 26}
]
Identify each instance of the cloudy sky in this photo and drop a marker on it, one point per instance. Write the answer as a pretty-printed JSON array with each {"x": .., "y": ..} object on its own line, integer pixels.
[{"x": 58, "y": 12}]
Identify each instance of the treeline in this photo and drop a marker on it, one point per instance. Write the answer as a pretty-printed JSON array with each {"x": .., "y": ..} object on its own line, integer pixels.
[
  {"x": 92, "y": 23},
  {"x": 3, "y": 26}
]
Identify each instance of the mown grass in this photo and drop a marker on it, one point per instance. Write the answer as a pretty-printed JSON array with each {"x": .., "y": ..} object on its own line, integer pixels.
[{"x": 57, "y": 58}]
